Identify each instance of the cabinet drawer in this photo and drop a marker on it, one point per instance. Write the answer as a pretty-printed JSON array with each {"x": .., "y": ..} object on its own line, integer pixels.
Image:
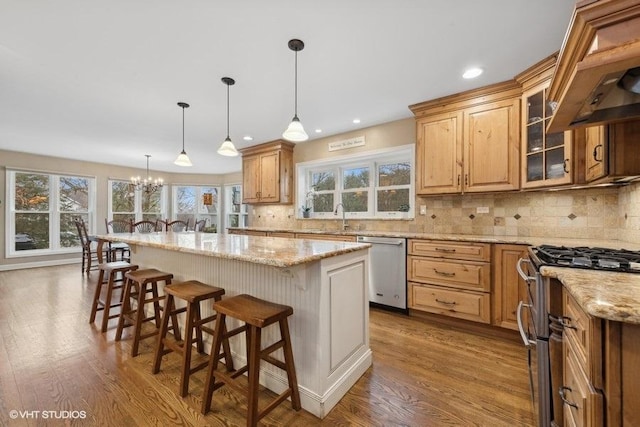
[
  {"x": 458, "y": 274},
  {"x": 450, "y": 302},
  {"x": 454, "y": 250},
  {"x": 583, "y": 334},
  {"x": 583, "y": 405}
]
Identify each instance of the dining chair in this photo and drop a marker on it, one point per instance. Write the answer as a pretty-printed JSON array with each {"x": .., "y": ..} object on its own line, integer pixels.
[
  {"x": 118, "y": 226},
  {"x": 89, "y": 254},
  {"x": 145, "y": 226},
  {"x": 199, "y": 225},
  {"x": 177, "y": 225},
  {"x": 119, "y": 251}
]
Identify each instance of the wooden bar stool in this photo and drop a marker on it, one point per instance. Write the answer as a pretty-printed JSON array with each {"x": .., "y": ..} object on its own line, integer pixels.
[
  {"x": 256, "y": 314},
  {"x": 193, "y": 292},
  {"x": 138, "y": 284},
  {"x": 109, "y": 270}
]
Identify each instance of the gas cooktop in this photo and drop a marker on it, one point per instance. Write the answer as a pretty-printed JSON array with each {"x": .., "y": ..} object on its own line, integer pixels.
[{"x": 620, "y": 260}]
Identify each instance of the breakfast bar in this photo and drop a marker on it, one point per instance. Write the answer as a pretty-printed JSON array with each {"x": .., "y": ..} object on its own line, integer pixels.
[{"x": 325, "y": 282}]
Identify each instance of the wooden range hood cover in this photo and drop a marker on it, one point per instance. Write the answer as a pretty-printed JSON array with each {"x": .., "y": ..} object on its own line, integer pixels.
[{"x": 601, "y": 44}]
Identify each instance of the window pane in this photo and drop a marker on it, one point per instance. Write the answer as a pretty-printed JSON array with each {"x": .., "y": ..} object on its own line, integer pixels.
[
  {"x": 355, "y": 201},
  {"x": 151, "y": 203},
  {"x": 74, "y": 194},
  {"x": 394, "y": 174},
  {"x": 32, "y": 192},
  {"x": 323, "y": 202},
  {"x": 32, "y": 231},
  {"x": 355, "y": 178},
  {"x": 122, "y": 199},
  {"x": 124, "y": 217},
  {"x": 68, "y": 232},
  {"x": 186, "y": 202},
  {"x": 393, "y": 200},
  {"x": 323, "y": 181}
]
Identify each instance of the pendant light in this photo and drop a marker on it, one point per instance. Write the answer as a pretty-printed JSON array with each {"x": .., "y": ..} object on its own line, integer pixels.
[
  {"x": 183, "y": 159},
  {"x": 295, "y": 132},
  {"x": 227, "y": 148}
]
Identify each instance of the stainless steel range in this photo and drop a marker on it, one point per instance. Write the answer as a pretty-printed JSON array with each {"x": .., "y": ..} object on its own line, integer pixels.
[{"x": 541, "y": 327}]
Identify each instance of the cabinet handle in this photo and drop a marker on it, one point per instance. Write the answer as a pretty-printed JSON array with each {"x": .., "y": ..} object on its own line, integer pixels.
[
  {"x": 447, "y": 250},
  {"x": 458, "y": 180},
  {"x": 564, "y": 165},
  {"x": 445, "y": 302},
  {"x": 565, "y": 321},
  {"x": 444, "y": 273},
  {"x": 595, "y": 153},
  {"x": 561, "y": 391},
  {"x": 466, "y": 179}
]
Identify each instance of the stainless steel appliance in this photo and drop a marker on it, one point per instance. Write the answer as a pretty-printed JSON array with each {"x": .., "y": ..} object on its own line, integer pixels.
[
  {"x": 540, "y": 327},
  {"x": 387, "y": 271}
]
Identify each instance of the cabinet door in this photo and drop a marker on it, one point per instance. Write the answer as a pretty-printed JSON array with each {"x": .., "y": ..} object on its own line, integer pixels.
[
  {"x": 509, "y": 288},
  {"x": 596, "y": 153},
  {"x": 250, "y": 179},
  {"x": 439, "y": 154},
  {"x": 546, "y": 158},
  {"x": 270, "y": 177},
  {"x": 491, "y": 154}
]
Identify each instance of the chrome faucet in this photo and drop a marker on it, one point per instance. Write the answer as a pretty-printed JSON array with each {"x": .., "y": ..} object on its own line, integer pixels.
[{"x": 344, "y": 220}]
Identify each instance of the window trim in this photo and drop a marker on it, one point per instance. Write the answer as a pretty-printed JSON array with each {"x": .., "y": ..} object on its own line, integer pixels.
[
  {"x": 137, "y": 202},
  {"x": 402, "y": 153}
]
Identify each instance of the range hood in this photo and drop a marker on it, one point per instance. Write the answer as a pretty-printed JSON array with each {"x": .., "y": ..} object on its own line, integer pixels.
[{"x": 597, "y": 80}]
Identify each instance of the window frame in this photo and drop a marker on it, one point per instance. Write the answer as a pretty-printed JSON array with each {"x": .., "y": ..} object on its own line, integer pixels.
[
  {"x": 138, "y": 214},
  {"x": 54, "y": 213},
  {"x": 198, "y": 214},
  {"x": 371, "y": 159}
]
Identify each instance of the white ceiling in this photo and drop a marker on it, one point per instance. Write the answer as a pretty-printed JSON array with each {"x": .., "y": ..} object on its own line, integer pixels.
[{"x": 100, "y": 81}]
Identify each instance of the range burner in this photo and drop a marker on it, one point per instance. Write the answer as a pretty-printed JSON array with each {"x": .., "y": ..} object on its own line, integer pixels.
[{"x": 591, "y": 258}]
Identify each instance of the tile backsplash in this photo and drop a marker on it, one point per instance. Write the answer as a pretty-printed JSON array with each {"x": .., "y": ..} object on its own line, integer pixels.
[{"x": 598, "y": 213}]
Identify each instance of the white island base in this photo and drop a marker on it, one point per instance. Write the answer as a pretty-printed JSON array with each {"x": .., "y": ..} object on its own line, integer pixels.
[{"x": 330, "y": 322}]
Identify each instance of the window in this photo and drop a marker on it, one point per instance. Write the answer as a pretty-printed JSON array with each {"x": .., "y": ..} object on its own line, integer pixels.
[
  {"x": 373, "y": 185},
  {"x": 128, "y": 204},
  {"x": 235, "y": 212},
  {"x": 41, "y": 211},
  {"x": 193, "y": 203}
]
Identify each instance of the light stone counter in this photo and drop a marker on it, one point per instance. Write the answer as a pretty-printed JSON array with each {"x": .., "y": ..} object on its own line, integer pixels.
[
  {"x": 612, "y": 296},
  {"x": 259, "y": 250},
  {"x": 326, "y": 284}
]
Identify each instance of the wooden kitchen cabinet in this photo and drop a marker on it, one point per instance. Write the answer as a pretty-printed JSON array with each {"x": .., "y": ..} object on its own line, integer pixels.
[
  {"x": 267, "y": 173},
  {"x": 450, "y": 278},
  {"x": 546, "y": 157},
  {"x": 469, "y": 142},
  {"x": 508, "y": 287},
  {"x": 596, "y": 153}
]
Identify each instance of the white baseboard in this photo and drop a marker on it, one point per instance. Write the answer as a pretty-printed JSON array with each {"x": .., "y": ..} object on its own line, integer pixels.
[{"x": 36, "y": 264}]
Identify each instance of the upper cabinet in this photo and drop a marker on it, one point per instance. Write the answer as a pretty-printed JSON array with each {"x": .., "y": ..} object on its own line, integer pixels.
[
  {"x": 469, "y": 142},
  {"x": 546, "y": 157},
  {"x": 267, "y": 173},
  {"x": 598, "y": 66}
]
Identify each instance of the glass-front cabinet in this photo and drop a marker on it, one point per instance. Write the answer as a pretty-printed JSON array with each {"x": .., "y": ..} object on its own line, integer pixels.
[
  {"x": 546, "y": 156},
  {"x": 236, "y": 214}
]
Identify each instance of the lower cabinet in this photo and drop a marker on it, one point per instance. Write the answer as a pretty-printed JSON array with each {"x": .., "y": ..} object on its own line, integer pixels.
[
  {"x": 450, "y": 278},
  {"x": 508, "y": 287}
]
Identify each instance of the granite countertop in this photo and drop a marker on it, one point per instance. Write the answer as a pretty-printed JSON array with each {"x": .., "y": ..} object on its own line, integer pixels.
[
  {"x": 604, "y": 294},
  {"x": 255, "y": 249},
  {"x": 513, "y": 240}
]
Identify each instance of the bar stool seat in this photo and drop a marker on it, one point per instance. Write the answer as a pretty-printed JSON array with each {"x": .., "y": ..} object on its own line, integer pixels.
[
  {"x": 256, "y": 315},
  {"x": 192, "y": 292},
  {"x": 138, "y": 284},
  {"x": 109, "y": 270}
]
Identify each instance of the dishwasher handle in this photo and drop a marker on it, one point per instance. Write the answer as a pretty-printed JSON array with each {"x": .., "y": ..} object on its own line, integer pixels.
[{"x": 380, "y": 241}]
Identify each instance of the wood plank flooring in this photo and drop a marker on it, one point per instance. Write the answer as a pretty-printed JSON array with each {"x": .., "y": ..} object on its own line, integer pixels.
[{"x": 52, "y": 359}]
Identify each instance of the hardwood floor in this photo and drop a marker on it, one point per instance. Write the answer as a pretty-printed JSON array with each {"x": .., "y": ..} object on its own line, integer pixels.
[{"x": 52, "y": 359}]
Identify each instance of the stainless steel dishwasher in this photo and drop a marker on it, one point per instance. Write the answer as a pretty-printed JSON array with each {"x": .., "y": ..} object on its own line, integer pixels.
[{"x": 387, "y": 271}]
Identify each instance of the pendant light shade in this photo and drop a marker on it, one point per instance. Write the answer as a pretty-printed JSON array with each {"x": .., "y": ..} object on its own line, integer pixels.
[
  {"x": 227, "y": 148},
  {"x": 183, "y": 159},
  {"x": 295, "y": 132}
]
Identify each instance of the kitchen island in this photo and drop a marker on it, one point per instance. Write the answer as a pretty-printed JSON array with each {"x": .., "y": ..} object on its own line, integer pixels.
[{"x": 326, "y": 283}]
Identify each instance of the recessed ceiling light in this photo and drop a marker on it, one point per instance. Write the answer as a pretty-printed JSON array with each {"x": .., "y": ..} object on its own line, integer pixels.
[
  {"x": 318, "y": 130},
  {"x": 356, "y": 121},
  {"x": 472, "y": 73},
  {"x": 247, "y": 138}
]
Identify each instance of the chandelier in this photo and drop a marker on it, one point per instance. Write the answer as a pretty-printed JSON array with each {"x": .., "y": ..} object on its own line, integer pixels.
[{"x": 148, "y": 185}]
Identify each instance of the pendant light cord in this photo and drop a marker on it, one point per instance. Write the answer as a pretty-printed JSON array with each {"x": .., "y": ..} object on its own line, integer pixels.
[
  {"x": 227, "y": 110},
  {"x": 183, "y": 129},
  {"x": 295, "y": 109}
]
